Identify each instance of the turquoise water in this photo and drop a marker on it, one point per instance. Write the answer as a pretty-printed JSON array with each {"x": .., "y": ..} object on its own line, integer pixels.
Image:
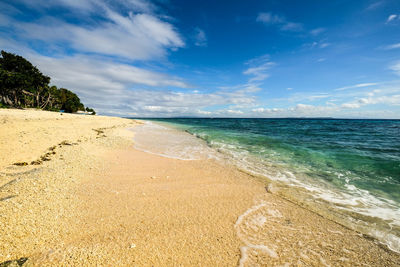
[{"x": 352, "y": 164}]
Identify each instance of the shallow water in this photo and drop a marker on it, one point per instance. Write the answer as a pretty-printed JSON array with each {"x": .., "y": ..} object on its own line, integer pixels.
[{"x": 352, "y": 166}]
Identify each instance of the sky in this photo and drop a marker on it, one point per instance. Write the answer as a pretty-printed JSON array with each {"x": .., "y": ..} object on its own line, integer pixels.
[{"x": 167, "y": 58}]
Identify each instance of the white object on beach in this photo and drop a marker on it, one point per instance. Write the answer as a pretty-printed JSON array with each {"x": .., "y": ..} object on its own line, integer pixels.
[{"x": 271, "y": 188}]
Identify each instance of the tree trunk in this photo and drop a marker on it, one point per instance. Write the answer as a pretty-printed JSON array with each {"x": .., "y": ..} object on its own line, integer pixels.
[
  {"x": 45, "y": 104},
  {"x": 37, "y": 101},
  {"x": 15, "y": 99},
  {"x": 8, "y": 101}
]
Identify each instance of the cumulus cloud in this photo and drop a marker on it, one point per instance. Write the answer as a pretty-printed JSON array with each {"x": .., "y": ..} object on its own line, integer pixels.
[
  {"x": 299, "y": 110},
  {"x": 273, "y": 19},
  {"x": 234, "y": 112},
  {"x": 351, "y": 105},
  {"x": 122, "y": 89},
  {"x": 347, "y": 109},
  {"x": 373, "y": 100}
]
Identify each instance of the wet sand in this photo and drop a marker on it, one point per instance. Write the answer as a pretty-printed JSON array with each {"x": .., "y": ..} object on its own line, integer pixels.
[{"x": 98, "y": 201}]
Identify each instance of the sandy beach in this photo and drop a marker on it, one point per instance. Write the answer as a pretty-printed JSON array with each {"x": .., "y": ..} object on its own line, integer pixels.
[{"x": 75, "y": 192}]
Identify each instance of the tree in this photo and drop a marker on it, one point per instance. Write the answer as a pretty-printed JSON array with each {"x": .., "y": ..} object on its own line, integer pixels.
[
  {"x": 70, "y": 102},
  {"x": 90, "y": 110},
  {"x": 23, "y": 85}
]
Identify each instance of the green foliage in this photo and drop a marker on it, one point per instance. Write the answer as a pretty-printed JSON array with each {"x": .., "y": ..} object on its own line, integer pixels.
[
  {"x": 69, "y": 101},
  {"x": 90, "y": 110},
  {"x": 23, "y": 85},
  {"x": 18, "y": 79}
]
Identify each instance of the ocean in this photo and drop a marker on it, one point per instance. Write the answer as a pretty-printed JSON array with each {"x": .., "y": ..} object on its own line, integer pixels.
[{"x": 347, "y": 170}]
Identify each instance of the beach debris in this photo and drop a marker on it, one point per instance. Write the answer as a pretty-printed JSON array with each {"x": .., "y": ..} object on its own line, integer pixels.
[
  {"x": 132, "y": 245},
  {"x": 45, "y": 157},
  {"x": 100, "y": 132},
  {"x": 18, "y": 262},
  {"x": 65, "y": 143},
  {"x": 153, "y": 177},
  {"x": 21, "y": 163},
  {"x": 6, "y": 198},
  {"x": 167, "y": 177},
  {"x": 271, "y": 188}
]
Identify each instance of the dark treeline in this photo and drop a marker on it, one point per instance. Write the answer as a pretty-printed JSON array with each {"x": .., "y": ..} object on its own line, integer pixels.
[{"x": 22, "y": 85}]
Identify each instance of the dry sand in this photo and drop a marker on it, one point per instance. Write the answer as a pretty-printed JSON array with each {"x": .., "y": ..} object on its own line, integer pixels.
[{"x": 98, "y": 201}]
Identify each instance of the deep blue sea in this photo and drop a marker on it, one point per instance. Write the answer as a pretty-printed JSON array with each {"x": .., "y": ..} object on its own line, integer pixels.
[{"x": 350, "y": 165}]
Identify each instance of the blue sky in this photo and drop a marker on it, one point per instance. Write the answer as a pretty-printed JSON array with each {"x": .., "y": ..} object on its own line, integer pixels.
[{"x": 215, "y": 58}]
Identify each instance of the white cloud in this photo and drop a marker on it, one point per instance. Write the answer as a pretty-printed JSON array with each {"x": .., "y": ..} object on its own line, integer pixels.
[
  {"x": 267, "y": 110},
  {"x": 360, "y": 85},
  {"x": 373, "y": 100},
  {"x": 375, "y": 5},
  {"x": 292, "y": 26},
  {"x": 235, "y": 112},
  {"x": 392, "y": 18},
  {"x": 202, "y": 112},
  {"x": 392, "y": 46},
  {"x": 347, "y": 109},
  {"x": 299, "y": 110},
  {"x": 273, "y": 19},
  {"x": 258, "y": 68},
  {"x": 323, "y": 45},
  {"x": 135, "y": 37},
  {"x": 78, "y": 71},
  {"x": 351, "y": 105},
  {"x": 317, "y": 44},
  {"x": 396, "y": 67},
  {"x": 121, "y": 89},
  {"x": 269, "y": 18},
  {"x": 317, "y": 31},
  {"x": 91, "y": 5},
  {"x": 200, "y": 37}
]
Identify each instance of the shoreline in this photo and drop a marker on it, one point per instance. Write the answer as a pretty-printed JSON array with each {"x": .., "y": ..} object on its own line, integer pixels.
[
  {"x": 100, "y": 201},
  {"x": 314, "y": 195}
]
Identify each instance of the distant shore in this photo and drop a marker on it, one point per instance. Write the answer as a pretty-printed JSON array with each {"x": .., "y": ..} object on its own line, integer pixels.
[{"x": 74, "y": 191}]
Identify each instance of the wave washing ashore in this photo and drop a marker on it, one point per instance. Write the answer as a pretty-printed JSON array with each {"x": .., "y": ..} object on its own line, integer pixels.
[{"x": 347, "y": 170}]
